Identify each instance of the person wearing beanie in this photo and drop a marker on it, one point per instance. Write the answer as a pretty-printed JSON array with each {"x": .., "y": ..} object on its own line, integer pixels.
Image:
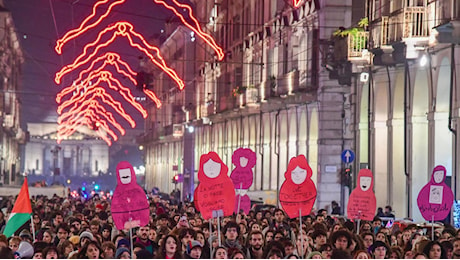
[
  {"x": 85, "y": 236},
  {"x": 315, "y": 255},
  {"x": 194, "y": 249},
  {"x": 122, "y": 253},
  {"x": 123, "y": 243}
]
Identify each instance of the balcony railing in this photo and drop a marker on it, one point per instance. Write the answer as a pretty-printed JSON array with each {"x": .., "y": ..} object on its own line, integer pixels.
[
  {"x": 357, "y": 45},
  {"x": 411, "y": 22},
  {"x": 380, "y": 32}
]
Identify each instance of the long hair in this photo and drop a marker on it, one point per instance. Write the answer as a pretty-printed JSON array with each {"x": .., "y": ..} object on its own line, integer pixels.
[
  {"x": 82, "y": 253},
  {"x": 427, "y": 248},
  {"x": 162, "y": 252}
]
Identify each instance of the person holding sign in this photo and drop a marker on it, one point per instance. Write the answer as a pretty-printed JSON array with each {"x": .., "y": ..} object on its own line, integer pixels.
[
  {"x": 242, "y": 176},
  {"x": 130, "y": 207},
  {"x": 362, "y": 202},
  {"x": 435, "y": 198},
  {"x": 215, "y": 190},
  {"x": 298, "y": 192}
]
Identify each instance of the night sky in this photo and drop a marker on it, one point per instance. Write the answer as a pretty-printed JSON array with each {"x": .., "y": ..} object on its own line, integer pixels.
[{"x": 40, "y": 22}]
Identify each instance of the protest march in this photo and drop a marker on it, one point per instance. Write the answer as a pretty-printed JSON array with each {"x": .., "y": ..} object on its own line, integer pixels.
[{"x": 221, "y": 222}]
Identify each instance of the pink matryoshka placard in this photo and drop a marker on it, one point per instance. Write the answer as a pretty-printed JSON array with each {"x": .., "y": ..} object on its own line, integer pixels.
[
  {"x": 130, "y": 207},
  {"x": 435, "y": 198},
  {"x": 362, "y": 202}
]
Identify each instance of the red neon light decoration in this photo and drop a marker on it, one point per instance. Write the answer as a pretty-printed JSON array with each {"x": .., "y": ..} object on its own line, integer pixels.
[
  {"x": 85, "y": 106},
  {"x": 88, "y": 122},
  {"x": 107, "y": 77},
  {"x": 297, "y": 3},
  {"x": 96, "y": 107},
  {"x": 196, "y": 27},
  {"x": 109, "y": 58},
  {"x": 153, "y": 97},
  {"x": 84, "y": 26},
  {"x": 88, "y": 118},
  {"x": 124, "y": 29},
  {"x": 91, "y": 94}
]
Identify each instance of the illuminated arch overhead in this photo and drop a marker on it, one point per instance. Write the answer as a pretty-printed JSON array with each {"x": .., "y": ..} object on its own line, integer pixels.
[
  {"x": 91, "y": 94},
  {"x": 126, "y": 30},
  {"x": 196, "y": 25},
  {"x": 86, "y": 24},
  {"x": 97, "y": 77},
  {"x": 69, "y": 118}
]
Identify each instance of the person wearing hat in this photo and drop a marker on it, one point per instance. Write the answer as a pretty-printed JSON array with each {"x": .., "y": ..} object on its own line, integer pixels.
[
  {"x": 122, "y": 253},
  {"x": 85, "y": 237},
  {"x": 123, "y": 243},
  {"x": 379, "y": 250},
  {"x": 315, "y": 255},
  {"x": 25, "y": 235},
  {"x": 194, "y": 249}
]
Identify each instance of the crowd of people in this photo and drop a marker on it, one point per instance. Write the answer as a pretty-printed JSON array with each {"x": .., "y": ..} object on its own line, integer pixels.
[{"x": 76, "y": 228}]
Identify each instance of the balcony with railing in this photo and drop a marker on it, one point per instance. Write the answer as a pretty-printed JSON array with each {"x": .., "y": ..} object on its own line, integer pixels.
[
  {"x": 357, "y": 44},
  {"x": 408, "y": 24}
]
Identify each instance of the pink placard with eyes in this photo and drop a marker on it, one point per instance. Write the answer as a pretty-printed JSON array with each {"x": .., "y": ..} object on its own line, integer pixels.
[
  {"x": 298, "y": 192},
  {"x": 362, "y": 202},
  {"x": 435, "y": 199},
  {"x": 130, "y": 207},
  {"x": 244, "y": 160}
]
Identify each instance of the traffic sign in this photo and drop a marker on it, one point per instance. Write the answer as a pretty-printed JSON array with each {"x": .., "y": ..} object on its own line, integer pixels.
[{"x": 348, "y": 156}]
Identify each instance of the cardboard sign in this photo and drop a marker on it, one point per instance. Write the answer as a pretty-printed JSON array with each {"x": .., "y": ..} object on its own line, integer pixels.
[
  {"x": 298, "y": 190},
  {"x": 215, "y": 190},
  {"x": 130, "y": 207},
  {"x": 242, "y": 176},
  {"x": 362, "y": 202},
  {"x": 435, "y": 198}
]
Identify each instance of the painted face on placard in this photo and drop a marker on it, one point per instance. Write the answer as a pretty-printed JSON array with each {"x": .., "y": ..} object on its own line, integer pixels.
[
  {"x": 365, "y": 182},
  {"x": 211, "y": 169},
  {"x": 243, "y": 161},
  {"x": 125, "y": 175},
  {"x": 298, "y": 175},
  {"x": 438, "y": 176}
]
